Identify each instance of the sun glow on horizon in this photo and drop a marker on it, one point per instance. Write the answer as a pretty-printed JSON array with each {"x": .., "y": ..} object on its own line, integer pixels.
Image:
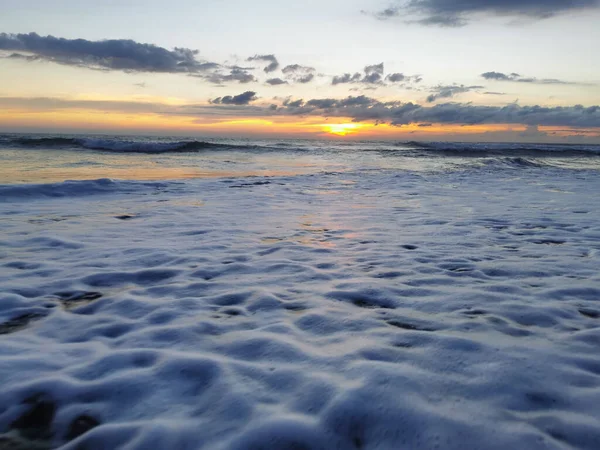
[
  {"x": 107, "y": 118},
  {"x": 342, "y": 129}
]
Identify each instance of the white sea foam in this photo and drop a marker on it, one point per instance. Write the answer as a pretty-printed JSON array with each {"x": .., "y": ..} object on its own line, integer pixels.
[{"x": 358, "y": 310}]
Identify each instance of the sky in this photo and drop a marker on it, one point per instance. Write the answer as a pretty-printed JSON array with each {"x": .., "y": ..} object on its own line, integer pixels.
[{"x": 470, "y": 70}]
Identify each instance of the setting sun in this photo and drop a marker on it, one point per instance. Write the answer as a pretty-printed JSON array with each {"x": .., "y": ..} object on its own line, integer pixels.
[{"x": 342, "y": 129}]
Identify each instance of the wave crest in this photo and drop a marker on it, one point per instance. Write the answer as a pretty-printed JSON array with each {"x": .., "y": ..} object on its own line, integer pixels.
[{"x": 118, "y": 145}]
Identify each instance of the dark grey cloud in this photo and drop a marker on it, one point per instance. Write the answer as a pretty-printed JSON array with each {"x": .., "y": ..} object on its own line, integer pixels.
[
  {"x": 271, "y": 59},
  {"x": 499, "y": 76},
  {"x": 241, "y": 99},
  {"x": 239, "y": 75},
  {"x": 346, "y": 78},
  {"x": 375, "y": 68},
  {"x": 515, "y": 77},
  {"x": 323, "y": 103},
  {"x": 276, "y": 81},
  {"x": 293, "y": 103},
  {"x": 360, "y": 100},
  {"x": 373, "y": 77},
  {"x": 397, "y": 113},
  {"x": 396, "y": 77},
  {"x": 299, "y": 74},
  {"x": 372, "y": 74},
  {"x": 113, "y": 54},
  {"x": 449, "y": 91},
  {"x": 447, "y": 13}
]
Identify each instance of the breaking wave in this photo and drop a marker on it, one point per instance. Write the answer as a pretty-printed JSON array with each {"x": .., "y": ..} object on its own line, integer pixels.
[{"x": 118, "y": 145}]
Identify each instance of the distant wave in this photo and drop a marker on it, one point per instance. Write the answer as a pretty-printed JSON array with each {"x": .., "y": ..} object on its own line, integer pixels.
[
  {"x": 117, "y": 145},
  {"x": 480, "y": 149}
]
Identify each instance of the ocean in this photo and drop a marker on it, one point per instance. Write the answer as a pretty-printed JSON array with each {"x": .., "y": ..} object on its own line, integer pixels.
[
  {"x": 55, "y": 158},
  {"x": 245, "y": 294}
]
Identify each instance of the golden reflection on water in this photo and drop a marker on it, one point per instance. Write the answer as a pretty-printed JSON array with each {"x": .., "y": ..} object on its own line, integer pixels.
[{"x": 309, "y": 234}]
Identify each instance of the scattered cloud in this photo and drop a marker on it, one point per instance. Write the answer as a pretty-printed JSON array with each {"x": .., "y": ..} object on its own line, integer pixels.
[
  {"x": 515, "y": 77},
  {"x": 288, "y": 102},
  {"x": 299, "y": 74},
  {"x": 449, "y": 91},
  {"x": 446, "y": 13},
  {"x": 241, "y": 99},
  {"x": 241, "y": 75},
  {"x": 346, "y": 78},
  {"x": 499, "y": 76},
  {"x": 112, "y": 54},
  {"x": 271, "y": 59},
  {"x": 396, "y": 77},
  {"x": 372, "y": 74},
  {"x": 276, "y": 81}
]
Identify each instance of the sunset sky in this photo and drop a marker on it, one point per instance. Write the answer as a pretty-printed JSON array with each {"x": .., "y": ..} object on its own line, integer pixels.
[{"x": 493, "y": 70}]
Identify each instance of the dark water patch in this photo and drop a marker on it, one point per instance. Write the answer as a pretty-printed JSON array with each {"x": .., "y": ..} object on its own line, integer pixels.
[
  {"x": 364, "y": 299},
  {"x": 36, "y": 421},
  {"x": 366, "y": 303},
  {"x": 46, "y": 220},
  {"x": 20, "y": 322},
  {"x": 474, "y": 312},
  {"x": 402, "y": 345},
  {"x": 409, "y": 326},
  {"x": 591, "y": 313},
  {"x": 233, "y": 312},
  {"x": 142, "y": 277},
  {"x": 22, "y": 265},
  {"x": 81, "y": 425},
  {"x": 13, "y": 441},
  {"x": 456, "y": 268},
  {"x": 296, "y": 307},
  {"x": 391, "y": 274},
  {"x": 409, "y": 247},
  {"x": 246, "y": 185},
  {"x": 73, "y": 299},
  {"x": 549, "y": 241},
  {"x": 540, "y": 400}
]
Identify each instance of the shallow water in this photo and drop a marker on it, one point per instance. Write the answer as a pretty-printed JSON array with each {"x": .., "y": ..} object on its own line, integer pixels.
[{"x": 356, "y": 302}]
